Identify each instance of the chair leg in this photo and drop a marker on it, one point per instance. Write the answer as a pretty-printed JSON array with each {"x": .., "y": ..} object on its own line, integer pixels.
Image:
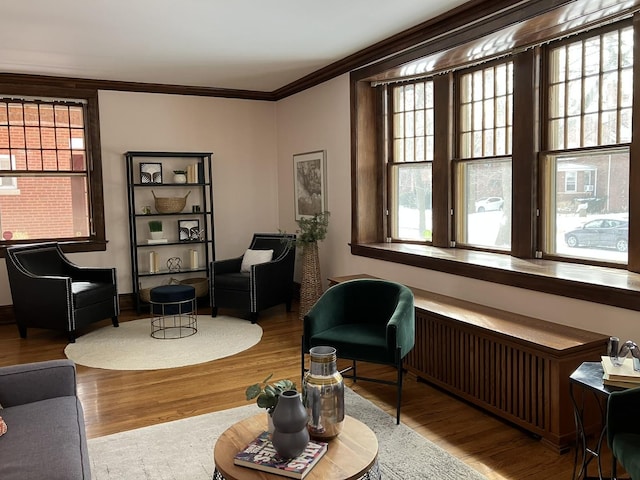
[
  {"x": 115, "y": 322},
  {"x": 614, "y": 467},
  {"x": 302, "y": 360},
  {"x": 72, "y": 336},
  {"x": 399, "y": 382},
  {"x": 253, "y": 316},
  {"x": 23, "y": 331},
  {"x": 355, "y": 373},
  {"x": 214, "y": 311}
]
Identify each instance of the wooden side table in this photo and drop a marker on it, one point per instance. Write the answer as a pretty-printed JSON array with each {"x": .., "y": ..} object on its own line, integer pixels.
[{"x": 351, "y": 455}]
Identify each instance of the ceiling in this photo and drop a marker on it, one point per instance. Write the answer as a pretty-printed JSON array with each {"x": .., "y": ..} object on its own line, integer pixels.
[{"x": 234, "y": 44}]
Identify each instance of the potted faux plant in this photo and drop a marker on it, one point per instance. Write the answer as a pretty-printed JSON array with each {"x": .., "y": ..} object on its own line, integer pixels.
[
  {"x": 155, "y": 229},
  {"x": 266, "y": 394},
  {"x": 311, "y": 231}
]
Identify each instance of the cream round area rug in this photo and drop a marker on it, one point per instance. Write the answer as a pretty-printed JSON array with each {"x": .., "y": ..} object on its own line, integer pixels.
[{"x": 131, "y": 347}]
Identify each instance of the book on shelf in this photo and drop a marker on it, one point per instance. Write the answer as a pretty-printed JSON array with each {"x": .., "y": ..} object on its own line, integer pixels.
[
  {"x": 192, "y": 175},
  {"x": 260, "y": 454},
  {"x": 623, "y": 376},
  {"x": 152, "y": 241}
]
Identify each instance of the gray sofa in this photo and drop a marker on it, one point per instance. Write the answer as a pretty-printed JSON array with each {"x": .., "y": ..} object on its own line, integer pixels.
[{"x": 45, "y": 437}]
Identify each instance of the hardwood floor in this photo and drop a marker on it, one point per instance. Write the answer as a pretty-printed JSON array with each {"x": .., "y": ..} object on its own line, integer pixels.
[{"x": 116, "y": 401}]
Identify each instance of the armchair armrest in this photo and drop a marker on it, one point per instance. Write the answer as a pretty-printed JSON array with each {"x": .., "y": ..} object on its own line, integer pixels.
[
  {"x": 401, "y": 327},
  {"x": 229, "y": 265},
  {"x": 95, "y": 275},
  {"x": 32, "y": 382},
  {"x": 272, "y": 279},
  {"x": 327, "y": 312},
  {"x": 53, "y": 294}
]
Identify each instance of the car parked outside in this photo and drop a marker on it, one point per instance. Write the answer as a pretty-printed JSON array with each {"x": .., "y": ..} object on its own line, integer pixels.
[
  {"x": 601, "y": 233},
  {"x": 489, "y": 204}
]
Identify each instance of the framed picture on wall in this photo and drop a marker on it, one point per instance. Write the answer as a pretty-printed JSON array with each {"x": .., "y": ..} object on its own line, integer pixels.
[
  {"x": 150, "y": 173},
  {"x": 188, "y": 230},
  {"x": 310, "y": 183}
]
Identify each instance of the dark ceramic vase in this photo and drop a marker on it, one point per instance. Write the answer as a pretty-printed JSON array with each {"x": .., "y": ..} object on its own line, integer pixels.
[{"x": 290, "y": 435}]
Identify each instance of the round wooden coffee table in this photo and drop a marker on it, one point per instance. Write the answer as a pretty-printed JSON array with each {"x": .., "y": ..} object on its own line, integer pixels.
[{"x": 351, "y": 455}]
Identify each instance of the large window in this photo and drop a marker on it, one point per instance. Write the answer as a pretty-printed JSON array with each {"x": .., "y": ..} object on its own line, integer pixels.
[
  {"x": 410, "y": 162},
  {"x": 483, "y": 168},
  {"x": 586, "y": 161},
  {"x": 48, "y": 188},
  {"x": 534, "y": 171}
]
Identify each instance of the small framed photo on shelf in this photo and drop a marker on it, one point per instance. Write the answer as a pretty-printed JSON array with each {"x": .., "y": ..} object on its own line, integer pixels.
[
  {"x": 150, "y": 173},
  {"x": 189, "y": 230}
]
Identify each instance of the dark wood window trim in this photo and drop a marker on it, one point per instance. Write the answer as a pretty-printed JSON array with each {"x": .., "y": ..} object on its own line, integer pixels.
[
  {"x": 98, "y": 241},
  {"x": 603, "y": 284}
]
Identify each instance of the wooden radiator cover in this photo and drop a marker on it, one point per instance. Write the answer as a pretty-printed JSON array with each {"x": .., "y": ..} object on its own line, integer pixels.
[{"x": 514, "y": 366}]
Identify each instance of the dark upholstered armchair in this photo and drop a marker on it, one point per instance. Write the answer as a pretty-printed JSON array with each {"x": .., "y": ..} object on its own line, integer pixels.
[
  {"x": 623, "y": 430},
  {"x": 264, "y": 285},
  {"x": 50, "y": 292},
  {"x": 365, "y": 320}
]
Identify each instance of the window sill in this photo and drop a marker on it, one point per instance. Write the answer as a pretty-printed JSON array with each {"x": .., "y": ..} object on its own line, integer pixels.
[
  {"x": 68, "y": 246},
  {"x": 609, "y": 286}
]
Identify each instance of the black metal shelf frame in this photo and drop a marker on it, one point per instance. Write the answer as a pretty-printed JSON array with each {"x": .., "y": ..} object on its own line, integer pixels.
[{"x": 205, "y": 195}]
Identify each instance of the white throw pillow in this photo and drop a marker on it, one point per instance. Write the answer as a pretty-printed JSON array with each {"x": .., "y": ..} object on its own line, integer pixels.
[{"x": 254, "y": 257}]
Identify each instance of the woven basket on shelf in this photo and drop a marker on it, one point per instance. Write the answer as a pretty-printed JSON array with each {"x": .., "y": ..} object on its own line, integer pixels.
[
  {"x": 170, "y": 204},
  {"x": 200, "y": 284}
]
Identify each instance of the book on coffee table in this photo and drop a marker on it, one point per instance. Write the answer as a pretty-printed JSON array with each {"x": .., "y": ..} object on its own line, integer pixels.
[{"x": 260, "y": 454}]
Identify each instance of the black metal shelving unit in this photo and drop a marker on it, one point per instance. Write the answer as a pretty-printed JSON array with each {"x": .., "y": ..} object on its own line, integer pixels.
[{"x": 138, "y": 196}]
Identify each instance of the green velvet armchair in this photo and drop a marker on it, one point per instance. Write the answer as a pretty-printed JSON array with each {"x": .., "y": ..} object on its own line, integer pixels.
[
  {"x": 367, "y": 320},
  {"x": 623, "y": 430}
]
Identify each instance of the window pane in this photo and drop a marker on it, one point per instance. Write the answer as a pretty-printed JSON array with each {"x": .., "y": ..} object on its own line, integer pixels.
[
  {"x": 590, "y": 130},
  {"x": 573, "y": 132},
  {"x": 589, "y": 193},
  {"x": 610, "y": 51},
  {"x": 398, "y": 150},
  {"x": 65, "y": 218},
  {"x": 412, "y": 121},
  {"x": 412, "y": 202},
  {"x": 491, "y": 109},
  {"x": 625, "y": 125},
  {"x": 398, "y": 99},
  {"x": 591, "y": 94},
  {"x": 556, "y": 101},
  {"x": 484, "y": 209},
  {"x": 599, "y": 80},
  {"x": 574, "y": 60},
  {"x": 556, "y": 134},
  {"x": 592, "y": 56},
  {"x": 609, "y": 90},
  {"x": 557, "y": 70},
  {"x": 419, "y": 123},
  {"x": 419, "y": 96},
  {"x": 45, "y": 143}
]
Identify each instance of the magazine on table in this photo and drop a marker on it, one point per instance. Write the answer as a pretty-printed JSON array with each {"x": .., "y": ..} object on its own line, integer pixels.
[{"x": 260, "y": 454}]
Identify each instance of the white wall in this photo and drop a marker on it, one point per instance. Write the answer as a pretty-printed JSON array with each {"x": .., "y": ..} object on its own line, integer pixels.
[
  {"x": 319, "y": 119},
  {"x": 240, "y": 133},
  {"x": 253, "y": 144}
]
